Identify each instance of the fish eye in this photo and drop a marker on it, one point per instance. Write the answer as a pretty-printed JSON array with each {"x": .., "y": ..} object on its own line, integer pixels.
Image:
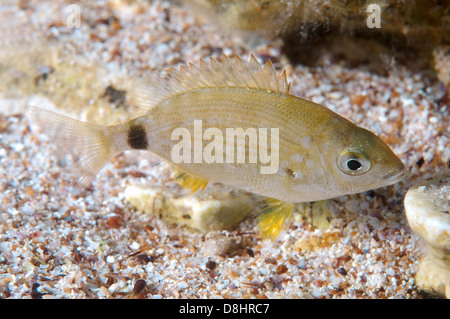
[{"x": 353, "y": 162}]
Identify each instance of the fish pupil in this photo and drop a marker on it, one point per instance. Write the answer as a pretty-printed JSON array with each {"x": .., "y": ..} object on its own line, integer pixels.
[{"x": 353, "y": 165}]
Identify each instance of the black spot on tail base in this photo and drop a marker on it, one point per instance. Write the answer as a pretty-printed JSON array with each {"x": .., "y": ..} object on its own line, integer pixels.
[{"x": 137, "y": 137}]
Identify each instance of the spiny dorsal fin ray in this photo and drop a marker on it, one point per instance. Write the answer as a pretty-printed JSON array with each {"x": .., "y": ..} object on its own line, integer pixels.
[
  {"x": 256, "y": 70},
  {"x": 274, "y": 217},
  {"x": 212, "y": 74}
]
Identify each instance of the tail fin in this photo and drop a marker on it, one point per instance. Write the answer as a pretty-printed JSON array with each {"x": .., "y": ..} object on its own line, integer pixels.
[{"x": 84, "y": 148}]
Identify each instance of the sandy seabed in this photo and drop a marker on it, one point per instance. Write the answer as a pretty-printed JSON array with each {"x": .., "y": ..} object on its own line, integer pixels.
[{"x": 55, "y": 244}]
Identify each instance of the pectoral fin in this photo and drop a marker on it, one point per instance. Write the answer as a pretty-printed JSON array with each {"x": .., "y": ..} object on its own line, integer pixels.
[
  {"x": 275, "y": 215},
  {"x": 190, "y": 181}
]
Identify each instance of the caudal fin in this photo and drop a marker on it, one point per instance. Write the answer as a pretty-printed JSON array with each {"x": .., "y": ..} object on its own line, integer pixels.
[{"x": 84, "y": 148}]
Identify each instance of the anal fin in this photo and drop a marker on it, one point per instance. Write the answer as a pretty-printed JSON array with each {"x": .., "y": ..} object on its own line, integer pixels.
[
  {"x": 275, "y": 215},
  {"x": 189, "y": 181}
]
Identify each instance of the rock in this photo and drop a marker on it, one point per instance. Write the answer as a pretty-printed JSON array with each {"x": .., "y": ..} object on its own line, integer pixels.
[
  {"x": 207, "y": 210},
  {"x": 427, "y": 209}
]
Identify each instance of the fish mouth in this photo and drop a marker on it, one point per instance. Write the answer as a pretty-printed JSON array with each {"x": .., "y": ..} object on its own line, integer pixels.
[{"x": 395, "y": 176}]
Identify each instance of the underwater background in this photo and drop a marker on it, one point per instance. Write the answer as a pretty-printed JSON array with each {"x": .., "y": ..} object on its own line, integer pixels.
[{"x": 384, "y": 65}]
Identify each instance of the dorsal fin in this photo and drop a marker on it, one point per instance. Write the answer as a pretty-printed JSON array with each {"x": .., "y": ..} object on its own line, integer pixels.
[
  {"x": 225, "y": 74},
  {"x": 228, "y": 74}
]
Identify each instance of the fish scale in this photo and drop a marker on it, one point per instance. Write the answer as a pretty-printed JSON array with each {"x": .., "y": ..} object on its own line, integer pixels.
[{"x": 237, "y": 114}]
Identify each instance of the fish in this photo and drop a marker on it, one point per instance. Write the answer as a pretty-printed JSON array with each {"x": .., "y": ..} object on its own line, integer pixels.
[{"x": 184, "y": 117}]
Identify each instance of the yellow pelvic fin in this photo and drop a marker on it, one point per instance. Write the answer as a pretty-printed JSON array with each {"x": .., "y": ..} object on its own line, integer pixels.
[
  {"x": 190, "y": 181},
  {"x": 275, "y": 215}
]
